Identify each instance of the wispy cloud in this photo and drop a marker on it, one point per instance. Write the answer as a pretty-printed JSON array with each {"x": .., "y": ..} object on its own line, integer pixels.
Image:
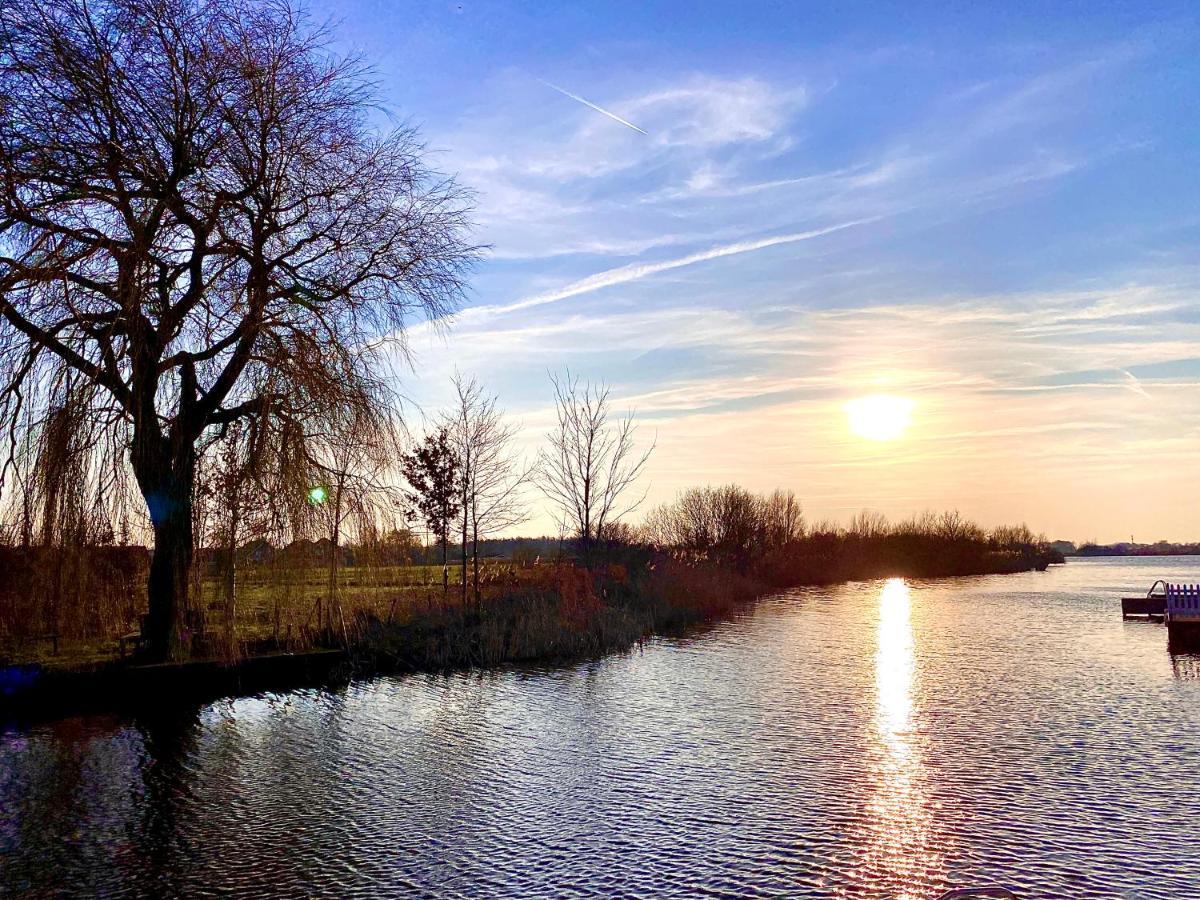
[{"x": 709, "y": 157}]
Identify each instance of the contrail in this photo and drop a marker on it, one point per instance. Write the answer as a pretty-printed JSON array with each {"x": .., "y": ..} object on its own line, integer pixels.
[
  {"x": 599, "y": 109},
  {"x": 1131, "y": 382},
  {"x": 638, "y": 271}
]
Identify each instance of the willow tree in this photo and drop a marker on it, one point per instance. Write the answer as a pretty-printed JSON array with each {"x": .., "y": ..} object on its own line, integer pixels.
[{"x": 199, "y": 224}]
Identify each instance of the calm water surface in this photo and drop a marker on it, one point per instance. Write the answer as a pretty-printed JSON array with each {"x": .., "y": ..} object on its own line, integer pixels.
[{"x": 879, "y": 739}]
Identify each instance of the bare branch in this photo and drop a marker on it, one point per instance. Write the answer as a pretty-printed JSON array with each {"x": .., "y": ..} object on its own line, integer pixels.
[{"x": 591, "y": 464}]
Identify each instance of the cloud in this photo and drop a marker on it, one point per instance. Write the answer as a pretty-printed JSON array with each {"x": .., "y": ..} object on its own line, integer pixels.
[
  {"x": 1012, "y": 422},
  {"x": 712, "y": 112},
  {"x": 725, "y": 156},
  {"x": 743, "y": 366}
]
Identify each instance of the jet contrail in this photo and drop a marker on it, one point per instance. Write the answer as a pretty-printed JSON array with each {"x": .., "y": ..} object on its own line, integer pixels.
[
  {"x": 637, "y": 271},
  {"x": 599, "y": 109}
]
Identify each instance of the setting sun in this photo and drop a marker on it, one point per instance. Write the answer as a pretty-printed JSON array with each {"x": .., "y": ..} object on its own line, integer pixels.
[{"x": 879, "y": 417}]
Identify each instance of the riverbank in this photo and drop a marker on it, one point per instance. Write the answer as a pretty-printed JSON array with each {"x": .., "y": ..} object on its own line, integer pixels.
[
  {"x": 566, "y": 612},
  {"x": 586, "y": 612}
]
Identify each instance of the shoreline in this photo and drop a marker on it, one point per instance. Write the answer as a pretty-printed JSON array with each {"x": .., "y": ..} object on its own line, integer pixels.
[{"x": 585, "y": 614}]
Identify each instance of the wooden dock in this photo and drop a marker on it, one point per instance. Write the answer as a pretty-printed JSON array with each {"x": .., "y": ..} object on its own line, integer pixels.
[
  {"x": 1183, "y": 604},
  {"x": 1152, "y": 606},
  {"x": 1178, "y": 605},
  {"x": 1183, "y": 614}
]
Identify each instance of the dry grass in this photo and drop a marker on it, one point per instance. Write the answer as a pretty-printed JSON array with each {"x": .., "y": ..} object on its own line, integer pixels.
[
  {"x": 560, "y": 613},
  {"x": 275, "y": 605}
]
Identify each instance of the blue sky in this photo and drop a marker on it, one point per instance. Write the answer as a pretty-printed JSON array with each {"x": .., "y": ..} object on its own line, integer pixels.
[{"x": 993, "y": 212}]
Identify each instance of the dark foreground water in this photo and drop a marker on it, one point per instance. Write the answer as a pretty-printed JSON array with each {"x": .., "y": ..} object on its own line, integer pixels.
[{"x": 878, "y": 739}]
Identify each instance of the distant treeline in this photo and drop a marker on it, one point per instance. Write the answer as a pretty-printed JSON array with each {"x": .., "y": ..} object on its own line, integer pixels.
[
  {"x": 1159, "y": 548},
  {"x": 690, "y": 560},
  {"x": 766, "y": 535}
]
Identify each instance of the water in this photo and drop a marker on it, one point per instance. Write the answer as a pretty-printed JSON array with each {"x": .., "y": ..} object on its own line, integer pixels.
[{"x": 878, "y": 739}]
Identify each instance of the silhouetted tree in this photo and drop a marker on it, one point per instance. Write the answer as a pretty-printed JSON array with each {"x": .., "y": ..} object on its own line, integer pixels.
[
  {"x": 728, "y": 524},
  {"x": 591, "y": 465},
  {"x": 783, "y": 520},
  {"x": 491, "y": 476},
  {"x": 432, "y": 470},
  {"x": 198, "y": 226}
]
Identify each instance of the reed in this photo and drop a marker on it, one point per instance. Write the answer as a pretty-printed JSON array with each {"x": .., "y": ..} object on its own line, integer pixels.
[{"x": 697, "y": 561}]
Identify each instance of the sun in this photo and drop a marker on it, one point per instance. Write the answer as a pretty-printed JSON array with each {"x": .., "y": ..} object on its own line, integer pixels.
[{"x": 879, "y": 417}]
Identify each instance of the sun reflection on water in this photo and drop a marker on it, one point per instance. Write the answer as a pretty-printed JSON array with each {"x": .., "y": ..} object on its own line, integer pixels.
[
  {"x": 894, "y": 662},
  {"x": 900, "y": 816}
]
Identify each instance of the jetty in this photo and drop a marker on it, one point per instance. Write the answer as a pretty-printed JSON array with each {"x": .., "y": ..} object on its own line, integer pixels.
[
  {"x": 1178, "y": 605},
  {"x": 1183, "y": 606},
  {"x": 1152, "y": 606}
]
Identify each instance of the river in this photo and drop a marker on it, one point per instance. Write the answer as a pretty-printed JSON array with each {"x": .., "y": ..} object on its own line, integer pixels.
[{"x": 875, "y": 739}]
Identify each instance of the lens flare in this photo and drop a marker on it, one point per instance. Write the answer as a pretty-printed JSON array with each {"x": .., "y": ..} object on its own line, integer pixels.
[{"x": 317, "y": 495}]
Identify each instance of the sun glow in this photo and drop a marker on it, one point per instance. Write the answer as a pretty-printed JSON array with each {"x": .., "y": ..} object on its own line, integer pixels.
[{"x": 879, "y": 417}]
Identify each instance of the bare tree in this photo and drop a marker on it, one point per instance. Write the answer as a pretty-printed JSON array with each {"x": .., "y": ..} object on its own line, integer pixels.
[
  {"x": 783, "y": 519},
  {"x": 197, "y": 226},
  {"x": 727, "y": 524},
  {"x": 492, "y": 477},
  {"x": 591, "y": 465}
]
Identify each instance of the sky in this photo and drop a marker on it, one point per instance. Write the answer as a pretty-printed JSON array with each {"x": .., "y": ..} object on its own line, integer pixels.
[{"x": 990, "y": 214}]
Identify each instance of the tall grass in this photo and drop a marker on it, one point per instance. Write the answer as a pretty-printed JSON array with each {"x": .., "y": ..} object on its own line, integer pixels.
[
  {"x": 561, "y": 611},
  {"x": 77, "y": 596}
]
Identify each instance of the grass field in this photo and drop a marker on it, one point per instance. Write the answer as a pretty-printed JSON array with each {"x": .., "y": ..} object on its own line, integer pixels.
[{"x": 281, "y": 604}]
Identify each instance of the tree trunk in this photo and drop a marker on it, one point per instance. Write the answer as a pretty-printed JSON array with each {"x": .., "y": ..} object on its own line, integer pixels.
[
  {"x": 231, "y": 571},
  {"x": 166, "y": 481},
  {"x": 169, "y": 567},
  {"x": 475, "y": 559},
  {"x": 464, "y": 554},
  {"x": 445, "y": 562},
  {"x": 335, "y": 543}
]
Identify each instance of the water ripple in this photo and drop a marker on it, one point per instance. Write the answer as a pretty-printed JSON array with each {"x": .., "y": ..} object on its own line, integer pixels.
[{"x": 878, "y": 739}]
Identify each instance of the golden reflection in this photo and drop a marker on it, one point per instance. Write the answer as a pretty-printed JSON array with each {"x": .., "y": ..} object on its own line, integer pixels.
[
  {"x": 894, "y": 664},
  {"x": 900, "y": 817}
]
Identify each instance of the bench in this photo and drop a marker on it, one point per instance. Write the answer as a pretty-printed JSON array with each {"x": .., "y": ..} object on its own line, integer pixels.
[
  {"x": 134, "y": 638},
  {"x": 199, "y": 636}
]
